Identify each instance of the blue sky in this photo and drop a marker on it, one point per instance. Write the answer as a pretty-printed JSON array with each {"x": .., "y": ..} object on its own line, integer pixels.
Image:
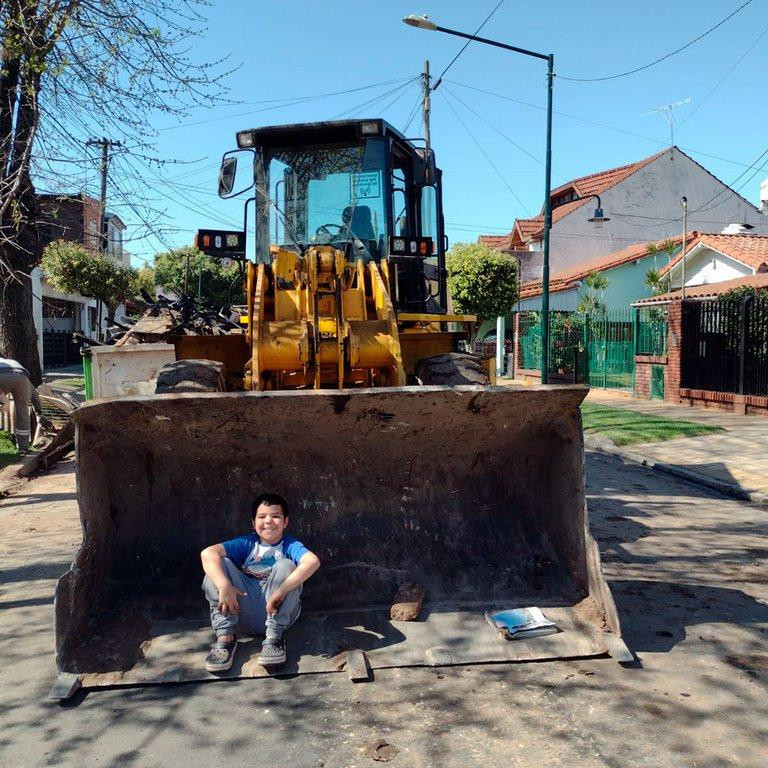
[{"x": 290, "y": 50}]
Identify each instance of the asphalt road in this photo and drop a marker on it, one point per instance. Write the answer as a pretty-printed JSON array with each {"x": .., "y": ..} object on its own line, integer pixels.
[{"x": 688, "y": 569}]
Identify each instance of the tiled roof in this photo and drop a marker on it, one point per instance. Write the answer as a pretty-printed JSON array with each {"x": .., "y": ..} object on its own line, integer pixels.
[
  {"x": 493, "y": 241},
  {"x": 751, "y": 250},
  {"x": 759, "y": 281},
  {"x": 567, "y": 279},
  {"x": 594, "y": 184}
]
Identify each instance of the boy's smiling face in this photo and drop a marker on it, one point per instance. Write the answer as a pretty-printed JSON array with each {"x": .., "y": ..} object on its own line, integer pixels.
[{"x": 269, "y": 523}]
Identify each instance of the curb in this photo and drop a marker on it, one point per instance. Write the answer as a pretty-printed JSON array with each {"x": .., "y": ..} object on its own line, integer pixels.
[{"x": 734, "y": 490}]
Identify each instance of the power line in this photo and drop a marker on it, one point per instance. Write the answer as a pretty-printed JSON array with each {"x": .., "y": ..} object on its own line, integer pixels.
[
  {"x": 487, "y": 157},
  {"x": 490, "y": 125},
  {"x": 597, "y": 124},
  {"x": 723, "y": 78},
  {"x": 281, "y": 103},
  {"x": 464, "y": 47},
  {"x": 660, "y": 59}
]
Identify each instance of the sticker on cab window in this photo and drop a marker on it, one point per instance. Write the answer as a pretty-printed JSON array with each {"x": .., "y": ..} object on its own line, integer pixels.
[{"x": 365, "y": 185}]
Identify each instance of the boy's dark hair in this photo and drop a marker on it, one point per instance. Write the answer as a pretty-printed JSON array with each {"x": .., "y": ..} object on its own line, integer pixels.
[{"x": 271, "y": 500}]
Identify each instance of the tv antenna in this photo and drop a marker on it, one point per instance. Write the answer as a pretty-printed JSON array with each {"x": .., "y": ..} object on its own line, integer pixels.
[{"x": 668, "y": 110}]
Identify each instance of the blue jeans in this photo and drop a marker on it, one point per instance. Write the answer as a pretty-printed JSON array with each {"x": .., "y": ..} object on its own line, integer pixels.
[{"x": 252, "y": 618}]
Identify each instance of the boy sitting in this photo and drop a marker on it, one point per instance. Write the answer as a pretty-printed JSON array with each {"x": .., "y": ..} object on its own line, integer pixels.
[{"x": 254, "y": 582}]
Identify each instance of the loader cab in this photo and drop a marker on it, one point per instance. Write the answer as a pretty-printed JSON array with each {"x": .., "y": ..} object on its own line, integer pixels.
[{"x": 359, "y": 185}]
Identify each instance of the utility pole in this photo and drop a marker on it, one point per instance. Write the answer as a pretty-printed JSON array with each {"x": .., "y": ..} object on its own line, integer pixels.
[
  {"x": 105, "y": 145},
  {"x": 426, "y": 106}
]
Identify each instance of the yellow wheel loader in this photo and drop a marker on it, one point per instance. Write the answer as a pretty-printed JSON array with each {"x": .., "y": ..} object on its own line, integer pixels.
[{"x": 348, "y": 394}]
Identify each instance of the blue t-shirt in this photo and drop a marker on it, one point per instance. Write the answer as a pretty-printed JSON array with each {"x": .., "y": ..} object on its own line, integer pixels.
[{"x": 240, "y": 549}]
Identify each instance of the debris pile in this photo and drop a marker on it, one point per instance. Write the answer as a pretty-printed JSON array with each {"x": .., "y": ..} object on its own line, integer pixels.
[{"x": 164, "y": 318}]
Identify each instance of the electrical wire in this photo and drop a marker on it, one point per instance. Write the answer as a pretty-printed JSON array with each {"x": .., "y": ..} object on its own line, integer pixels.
[
  {"x": 722, "y": 79},
  {"x": 493, "y": 127},
  {"x": 661, "y": 58},
  {"x": 412, "y": 113},
  {"x": 466, "y": 45},
  {"x": 282, "y": 104},
  {"x": 487, "y": 157},
  {"x": 608, "y": 127}
]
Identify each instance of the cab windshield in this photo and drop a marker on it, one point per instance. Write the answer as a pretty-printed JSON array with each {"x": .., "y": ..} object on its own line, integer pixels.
[{"x": 327, "y": 194}]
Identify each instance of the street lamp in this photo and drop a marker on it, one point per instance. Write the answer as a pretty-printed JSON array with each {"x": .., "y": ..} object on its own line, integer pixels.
[{"x": 422, "y": 22}]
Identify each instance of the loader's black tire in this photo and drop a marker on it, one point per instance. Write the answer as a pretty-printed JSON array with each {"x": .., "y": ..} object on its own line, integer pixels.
[
  {"x": 190, "y": 376},
  {"x": 452, "y": 369}
]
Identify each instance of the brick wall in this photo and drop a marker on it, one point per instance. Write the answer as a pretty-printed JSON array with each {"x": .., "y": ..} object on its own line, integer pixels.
[
  {"x": 674, "y": 339},
  {"x": 73, "y": 218}
]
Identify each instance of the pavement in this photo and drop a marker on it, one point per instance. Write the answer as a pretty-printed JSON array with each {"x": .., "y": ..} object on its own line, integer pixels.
[
  {"x": 734, "y": 461},
  {"x": 688, "y": 568}
]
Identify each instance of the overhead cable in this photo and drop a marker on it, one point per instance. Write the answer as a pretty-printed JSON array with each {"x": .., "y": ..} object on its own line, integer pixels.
[
  {"x": 464, "y": 47},
  {"x": 661, "y": 58},
  {"x": 487, "y": 156}
]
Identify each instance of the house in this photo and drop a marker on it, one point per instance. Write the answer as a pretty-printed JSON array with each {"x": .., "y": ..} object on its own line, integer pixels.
[
  {"x": 714, "y": 354},
  {"x": 56, "y": 315},
  {"x": 642, "y": 201},
  {"x": 716, "y": 258},
  {"x": 625, "y": 271}
]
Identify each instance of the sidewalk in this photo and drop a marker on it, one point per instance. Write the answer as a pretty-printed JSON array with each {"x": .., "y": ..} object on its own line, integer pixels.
[{"x": 735, "y": 462}]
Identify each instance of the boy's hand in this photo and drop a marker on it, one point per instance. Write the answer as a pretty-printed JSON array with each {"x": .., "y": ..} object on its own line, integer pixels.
[
  {"x": 228, "y": 602},
  {"x": 275, "y": 602}
]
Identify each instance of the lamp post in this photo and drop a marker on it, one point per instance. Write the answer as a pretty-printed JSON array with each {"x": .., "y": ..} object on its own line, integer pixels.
[{"x": 422, "y": 22}]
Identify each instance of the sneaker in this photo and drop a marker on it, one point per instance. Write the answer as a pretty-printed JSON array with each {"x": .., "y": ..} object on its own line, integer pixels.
[
  {"x": 220, "y": 657},
  {"x": 272, "y": 653}
]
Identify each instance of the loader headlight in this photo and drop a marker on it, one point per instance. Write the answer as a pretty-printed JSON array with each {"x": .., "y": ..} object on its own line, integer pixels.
[
  {"x": 370, "y": 128},
  {"x": 245, "y": 139}
]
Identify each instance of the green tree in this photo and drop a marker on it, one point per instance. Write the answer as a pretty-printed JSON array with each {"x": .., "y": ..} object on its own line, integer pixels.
[
  {"x": 70, "y": 268},
  {"x": 147, "y": 280},
  {"x": 481, "y": 281},
  {"x": 590, "y": 303},
  {"x": 76, "y": 68},
  {"x": 205, "y": 272},
  {"x": 656, "y": 282}
]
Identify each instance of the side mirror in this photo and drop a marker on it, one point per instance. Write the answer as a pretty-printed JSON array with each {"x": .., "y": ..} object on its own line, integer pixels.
[
  {"x": 425, "y": 171},
  {"x": 230, "y": 179},
  {"x": 227, "y": 174}
]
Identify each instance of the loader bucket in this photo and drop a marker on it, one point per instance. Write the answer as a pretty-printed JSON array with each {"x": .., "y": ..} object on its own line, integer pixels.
[{"x": 474, "y": 493}]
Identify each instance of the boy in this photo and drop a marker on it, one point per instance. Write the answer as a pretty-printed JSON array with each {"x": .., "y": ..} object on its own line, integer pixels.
[{"x": 254, "y": 581}]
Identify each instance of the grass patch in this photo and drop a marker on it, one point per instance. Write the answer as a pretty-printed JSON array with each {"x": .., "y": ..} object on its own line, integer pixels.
[
  {"x": 72, "y": 382},
  {"x": 625, "y": 427},
  {"x": 8, "y": 452}
]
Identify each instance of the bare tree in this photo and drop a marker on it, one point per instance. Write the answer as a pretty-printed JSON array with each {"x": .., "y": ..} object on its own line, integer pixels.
[{"x": 71, "y": 69}]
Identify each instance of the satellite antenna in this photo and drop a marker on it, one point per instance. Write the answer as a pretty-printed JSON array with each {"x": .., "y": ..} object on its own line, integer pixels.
[{"x": 668, "y": 110}]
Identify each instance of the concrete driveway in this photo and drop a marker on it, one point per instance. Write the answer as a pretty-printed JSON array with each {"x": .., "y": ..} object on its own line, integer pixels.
[{"x": 690, "y": 575}]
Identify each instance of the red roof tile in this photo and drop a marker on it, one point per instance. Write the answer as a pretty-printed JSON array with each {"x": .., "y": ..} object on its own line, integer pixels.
[
  {"x": 567, "y": 279},
  {"x": 751, "y": 250},
  {"x": 594, "y": 184},
  {"x": 759, "y": 281}
]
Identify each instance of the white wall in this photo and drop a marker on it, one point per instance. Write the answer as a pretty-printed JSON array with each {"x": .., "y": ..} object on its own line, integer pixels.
[
  {"x": 705, "y": 265},
  {"x": 40, "y": 291},
  {"x": 644, "y": 207}
]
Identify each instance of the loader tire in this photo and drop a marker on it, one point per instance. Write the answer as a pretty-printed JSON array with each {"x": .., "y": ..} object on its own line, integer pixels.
[
  {"x": 190, "y": 376},
  {"x": 452, "y": 369}
]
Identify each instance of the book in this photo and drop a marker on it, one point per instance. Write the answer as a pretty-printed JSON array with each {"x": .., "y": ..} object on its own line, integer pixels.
[{"x": 521, "y": 623}]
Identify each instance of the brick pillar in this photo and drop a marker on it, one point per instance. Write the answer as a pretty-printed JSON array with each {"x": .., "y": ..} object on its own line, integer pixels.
[
  {"x": 674, "y": 341},
  {"x": 516, "y": 356}
]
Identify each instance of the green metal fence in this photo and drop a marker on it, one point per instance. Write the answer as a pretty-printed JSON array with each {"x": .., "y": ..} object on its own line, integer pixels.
[
  {"x": 597, "y": 348},
  {"x": 651, "y": 331}
]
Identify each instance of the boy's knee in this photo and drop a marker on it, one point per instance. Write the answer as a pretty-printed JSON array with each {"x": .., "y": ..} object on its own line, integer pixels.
[
  {"x": 210, "y": 589},
  {"x": 282, "y": 569}
]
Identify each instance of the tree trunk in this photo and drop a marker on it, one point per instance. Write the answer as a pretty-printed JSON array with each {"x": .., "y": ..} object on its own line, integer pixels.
[
  {"x": 18, "y": 338},
  {"x": 19, "y": 254}
]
